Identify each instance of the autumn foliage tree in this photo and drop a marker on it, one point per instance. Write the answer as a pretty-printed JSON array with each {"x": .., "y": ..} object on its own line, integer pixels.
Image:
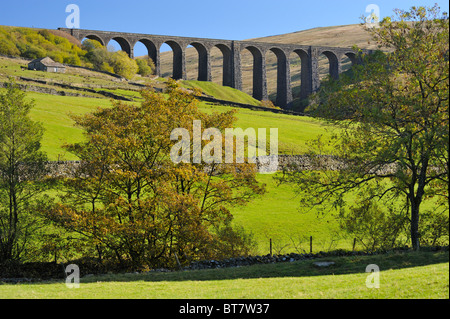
[{"x": 134, "y": 204}]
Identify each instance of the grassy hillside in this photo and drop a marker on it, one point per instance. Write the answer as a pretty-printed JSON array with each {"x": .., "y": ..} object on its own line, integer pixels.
[
  {"x": 80, "y": 77},
  {"x": 402, "y": 276},
  {"x": 221, "y": 92},
  {"x": 52, "y": 110}
]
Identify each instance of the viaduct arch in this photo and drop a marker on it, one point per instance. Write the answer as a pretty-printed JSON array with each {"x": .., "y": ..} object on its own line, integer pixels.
[{"x": 231, "y": 51}]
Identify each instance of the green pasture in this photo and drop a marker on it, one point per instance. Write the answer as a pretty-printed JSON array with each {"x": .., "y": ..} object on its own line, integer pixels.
[
  {"x": 52, "y": 111},
  {"x": 277, "y": 216}
]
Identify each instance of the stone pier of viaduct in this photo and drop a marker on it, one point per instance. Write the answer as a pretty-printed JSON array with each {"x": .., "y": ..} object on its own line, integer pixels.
[{"x": 231, "y": 51}]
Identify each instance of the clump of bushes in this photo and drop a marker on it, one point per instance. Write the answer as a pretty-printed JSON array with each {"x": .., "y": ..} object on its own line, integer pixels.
[{"x": 98, "y": 57}]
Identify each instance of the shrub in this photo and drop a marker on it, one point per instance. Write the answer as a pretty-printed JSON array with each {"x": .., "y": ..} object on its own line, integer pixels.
[
  {"x": 375, "y": 227},
  {"x": 268, "y": 103},
  {"x": 123, "y": 65},
  {"x": 8, "y": 48},
  {"x": 34, "y": 52},
  {"x": 146, "y": 66},
  {"x": 72, "y": 60},
  {"x": 434, "y": 228}
]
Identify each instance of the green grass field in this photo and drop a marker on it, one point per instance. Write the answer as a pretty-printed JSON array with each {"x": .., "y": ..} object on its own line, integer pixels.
[
  {"x": 277, "y": 216},
  {"x": 402, "y": 276},
  {"x": 53, "y": 112}
]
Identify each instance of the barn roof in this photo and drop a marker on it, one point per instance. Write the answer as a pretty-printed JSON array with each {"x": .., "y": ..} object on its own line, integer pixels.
[{"x": 48, "y": 62}]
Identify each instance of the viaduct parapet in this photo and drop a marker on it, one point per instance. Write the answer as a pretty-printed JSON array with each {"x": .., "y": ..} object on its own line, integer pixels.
[{"x": 232, "y": 68}]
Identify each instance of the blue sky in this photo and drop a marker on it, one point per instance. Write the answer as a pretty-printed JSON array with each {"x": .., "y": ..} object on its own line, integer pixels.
[{"x": 221, "y": 19}]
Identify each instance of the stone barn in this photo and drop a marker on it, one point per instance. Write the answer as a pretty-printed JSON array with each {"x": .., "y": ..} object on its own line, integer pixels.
[{"x": 46, "y": 65}]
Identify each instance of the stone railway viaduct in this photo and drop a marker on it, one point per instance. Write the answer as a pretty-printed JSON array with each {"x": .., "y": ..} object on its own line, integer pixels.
[{"x": 231, "y": 51}]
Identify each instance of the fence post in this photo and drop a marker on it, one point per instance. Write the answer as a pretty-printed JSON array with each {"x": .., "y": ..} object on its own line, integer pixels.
[
  {"x": 310, "y": 245},
  {"x": 271, "y": 247},
  {"x": 354, "y": 244}
]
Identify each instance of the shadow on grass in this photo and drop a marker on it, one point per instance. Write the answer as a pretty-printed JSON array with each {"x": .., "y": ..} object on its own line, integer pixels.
[
  {"x": 301, "y": 268},
  {"x": 304, "y": 268}
]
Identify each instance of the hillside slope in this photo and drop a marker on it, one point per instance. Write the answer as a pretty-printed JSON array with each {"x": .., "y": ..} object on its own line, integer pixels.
[{"x": 336, "y": 36}]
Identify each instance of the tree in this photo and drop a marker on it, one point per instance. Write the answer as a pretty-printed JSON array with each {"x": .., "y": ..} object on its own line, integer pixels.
[
  {"x": 97, "y": 54},
  {"x": 123, "y": 65},
  {"x": 116, "y": 62},
  {"x": 392, "y": 111},
  {"x": 90, "y": 45},
  {"x": 134, "y": 204},
  {"x": 22, "y": 172},
  {"x": 146, "y": 66}
]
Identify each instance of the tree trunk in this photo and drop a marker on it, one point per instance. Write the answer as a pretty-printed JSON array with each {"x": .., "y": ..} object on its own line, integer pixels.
[{"x": 415, "y": 240}]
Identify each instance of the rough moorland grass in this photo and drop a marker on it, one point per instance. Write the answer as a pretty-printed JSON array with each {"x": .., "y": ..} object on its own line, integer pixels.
[{"x": 402, "y": 275}]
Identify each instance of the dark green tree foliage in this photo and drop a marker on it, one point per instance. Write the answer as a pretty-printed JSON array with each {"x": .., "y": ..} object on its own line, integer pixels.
[
  {"x": 393, "y": 142},
  {"x": 22, "y": 173}
]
